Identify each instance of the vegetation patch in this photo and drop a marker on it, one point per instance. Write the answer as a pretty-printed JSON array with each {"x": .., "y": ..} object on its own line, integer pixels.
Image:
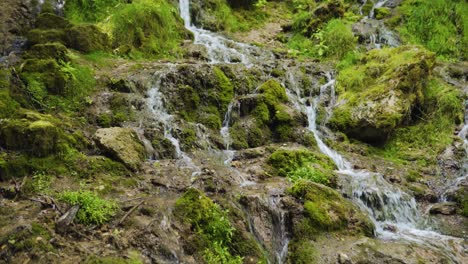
[
  {"x": 210, "y": 223},
  {"x": 93, "y": 209}
]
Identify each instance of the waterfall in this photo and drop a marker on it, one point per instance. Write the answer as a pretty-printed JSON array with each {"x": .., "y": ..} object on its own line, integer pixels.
[
  {"x": 226, "y": 135},
  {"x": 219, "y": 48},
  {"x": 157, "y": 107},
  {"x": 393, "y": 212}
]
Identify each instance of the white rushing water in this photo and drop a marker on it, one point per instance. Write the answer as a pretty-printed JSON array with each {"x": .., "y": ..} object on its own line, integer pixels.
[
  {"x": 394, "y": 213},
  {"x": 157, "y": 107},
  {"x": 219, "y": 48}
]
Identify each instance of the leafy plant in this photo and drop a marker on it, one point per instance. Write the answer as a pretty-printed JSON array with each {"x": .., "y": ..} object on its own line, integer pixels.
[{"x": 93, "y": 209}]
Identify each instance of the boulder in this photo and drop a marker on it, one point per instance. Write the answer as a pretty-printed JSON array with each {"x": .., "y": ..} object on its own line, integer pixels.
[
  {"x": 121, "y": 144},
  {"x": 38, "y": 137},
  {"x": 378, "y": 94},
  {"x": 446, "y": 208},
  {"x": 86, "y": 38}
]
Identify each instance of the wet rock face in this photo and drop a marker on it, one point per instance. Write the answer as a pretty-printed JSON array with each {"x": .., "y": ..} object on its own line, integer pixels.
[
  {"x": 121, "y": 144},
  {"x": 447, "y": 208},
  {"x": 379, "y": 94}
]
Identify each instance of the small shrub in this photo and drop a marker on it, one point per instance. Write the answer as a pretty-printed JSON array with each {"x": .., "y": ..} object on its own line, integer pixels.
[{"x": 93, "y": 210}]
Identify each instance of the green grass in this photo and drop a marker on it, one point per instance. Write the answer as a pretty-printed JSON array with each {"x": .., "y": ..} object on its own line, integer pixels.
[
  {"x": 439, "y": 25},
  {"x": 90, "y": 10},
  {"x": 151, "y": 27}
]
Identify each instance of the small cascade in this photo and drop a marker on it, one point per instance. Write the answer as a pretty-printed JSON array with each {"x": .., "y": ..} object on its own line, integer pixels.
[
  {"x": 463, "y": 134},
  {"x": 156, "y": 105},
  {"x": 281, "y": 236},
  {"x": 225, "y": 133},
  {"x": 394, "y": 213},
  {"x": 219, "y": 48},
  {"x": 378, "y": 4}
]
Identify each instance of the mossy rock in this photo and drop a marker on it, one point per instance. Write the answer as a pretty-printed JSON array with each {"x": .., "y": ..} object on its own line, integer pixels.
[
  {"x": 42, "y": 36},
  {"x": 51, "y": 21},
  {"x": 325, "y": 210},
  {"x": 37, "y": 137},
  {"x": 323, "y": 13},
  {"x": 121, "y": 144},
  {"x": 54, "y": 50},
  {"x": 48, "y": 71},
  {"x": 87, "y": 38},
  {"x": 379, "y": 93},
  {"x": 382, "y": 12},
  {"x": 8, "y": 106}
]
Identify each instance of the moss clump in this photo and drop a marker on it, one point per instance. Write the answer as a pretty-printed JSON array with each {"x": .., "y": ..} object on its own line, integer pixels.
[
  {"x": 150, "y": 27},
  {"x": 53, "y": 50},
  {"x": 210, "y": 223},
  {"x": 48, "y": 72},
  {"x": 42, "y": 36},
  {"x": 302, "y": 164},
  {"x": 326, "y": 210},
  {"x": 302, "y": 252},
  {"x": 225, "y": 90},
  {"x": 382, "y": 12},
  {"x": 39, "y": 138},
  {"x": 51, "y": 21},
  {"x": 307, "y": 22},
  {"x": 379, "y": 94},
  {"x": 90, "y": 11},
  {"x": 435, "y": 121},
  {"x": 8, "y": 106},
  {"x": 87, "y": 38},
  {"x": 93, "y": 210}
]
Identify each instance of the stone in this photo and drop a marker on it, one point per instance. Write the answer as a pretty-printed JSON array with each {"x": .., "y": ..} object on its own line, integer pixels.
[
  {"x": 445, "y": 208},
  {"x": 379, "y": 94},
  {"x": 121, "y": 144},
  {"x": 87, "y": 38},
  {"x": 344, "y": 259}
]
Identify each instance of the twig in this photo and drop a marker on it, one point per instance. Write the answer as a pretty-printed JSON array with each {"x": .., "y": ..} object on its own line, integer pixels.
[{"x": 129, "y": 212}]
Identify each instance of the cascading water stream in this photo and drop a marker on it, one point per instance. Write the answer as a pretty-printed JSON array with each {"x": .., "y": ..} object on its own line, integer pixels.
[
  {"x": 157, "y": 108},
  {"x": 463, "y": 134},
  {"x": 393, "y": 212},
  {"x": 219, "y": 48}
]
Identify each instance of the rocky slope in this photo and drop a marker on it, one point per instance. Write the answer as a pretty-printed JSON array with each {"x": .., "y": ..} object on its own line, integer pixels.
[{"x": 334, "y": 138}]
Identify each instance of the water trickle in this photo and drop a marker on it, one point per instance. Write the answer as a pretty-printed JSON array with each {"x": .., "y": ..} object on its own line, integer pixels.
[
  {"x": 156, "y": 105},
  {"x": 393, "y": 212},
  {"x": 219, "y": 48},
  {"x": 227, "y": 140}
]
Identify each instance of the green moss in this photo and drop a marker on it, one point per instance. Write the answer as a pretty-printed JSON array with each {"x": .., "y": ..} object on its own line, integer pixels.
[
  {"x": 310, "y": 16},
  {"x": 93, "y": 210},
  {"x": 302, "y": 252},
  {"x": 378, "y": 94},
  {"x": 26, "y": 239},
  {"x": 8, "y": 106},
  {"x": 382, "y": 12},
  {"x": 210, "y": 223},
  {"x": 51, "y": 21},
  {"x": 225, "y": 89},
  {"x": 52, "y": 50},
  {"x": 87, "y": 38},
  {"x": 238, "y": 136},
  {"x": 423, "y": 141},
  {"x": 326, "y": 210},
  {"x": 43, "y": 36},
  {"x": 90, "y": 11},
  {"x": 152, "y": 28},
  {"x": 302, "y": 164},
  {"x": 273, "y": 91}
]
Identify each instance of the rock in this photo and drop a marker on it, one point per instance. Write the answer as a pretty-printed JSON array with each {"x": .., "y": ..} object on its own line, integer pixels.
[
  {"x": 51, "y": 21},
  {"x": 54, "y": 50},
  {"x": 344, "y": 259},
  {"x": 446, "y": 208},
  {"x": 121, "y": 144},
  {"x": 63, "y": 223},
  {"x": 38, "y": 137},
  {"x": 87, "y": 38},
  {"x": 378, "y": 95}
]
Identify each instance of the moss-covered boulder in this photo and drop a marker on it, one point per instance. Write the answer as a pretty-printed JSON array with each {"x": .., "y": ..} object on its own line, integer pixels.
[
  {"x": 48, "y": 71},
  {"x": 325, "y": 210},
  {"x": 42, "y": 36},
  {"x": 86, "y": 38},
  {"x": 121, "y": 144},
  {"x": 51, "y": 21},
  {"x": 38, "y": 136},
  {"x": 379, "y": 93},
  {"x": 53, "y": 50}
]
